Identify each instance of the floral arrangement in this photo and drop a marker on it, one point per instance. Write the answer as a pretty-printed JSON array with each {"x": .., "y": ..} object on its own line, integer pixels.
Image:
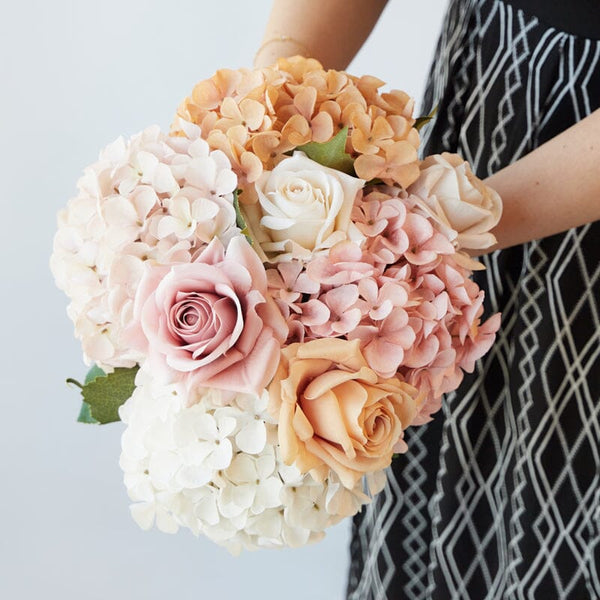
[{"x": 271, "y": 294}]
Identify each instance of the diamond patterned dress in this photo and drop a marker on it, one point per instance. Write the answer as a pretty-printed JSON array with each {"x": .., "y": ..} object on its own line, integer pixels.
[{"x": 499, "y": 497}]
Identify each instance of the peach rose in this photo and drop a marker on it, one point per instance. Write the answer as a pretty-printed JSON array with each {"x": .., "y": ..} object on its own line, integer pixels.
[
  {"x": 465, "y": 208},
  {"x": 334, "y": 412}
]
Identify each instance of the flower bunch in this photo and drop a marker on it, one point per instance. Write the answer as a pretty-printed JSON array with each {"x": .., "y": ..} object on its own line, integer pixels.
[{"x": 287, "y": 288}]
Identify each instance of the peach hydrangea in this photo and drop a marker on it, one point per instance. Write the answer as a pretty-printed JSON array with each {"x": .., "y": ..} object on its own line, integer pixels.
[{"x": 255, "y": 116}]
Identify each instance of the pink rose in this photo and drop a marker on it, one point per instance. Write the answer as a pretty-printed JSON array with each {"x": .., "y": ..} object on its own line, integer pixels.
[{"x": 211, "y": 320}]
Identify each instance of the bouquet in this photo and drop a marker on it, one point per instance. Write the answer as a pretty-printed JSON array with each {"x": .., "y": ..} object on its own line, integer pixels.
[{"x": 270, "y": 295}]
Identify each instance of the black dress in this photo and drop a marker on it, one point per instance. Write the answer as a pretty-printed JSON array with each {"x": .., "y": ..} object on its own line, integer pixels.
[{"x": 499, "y": 497}]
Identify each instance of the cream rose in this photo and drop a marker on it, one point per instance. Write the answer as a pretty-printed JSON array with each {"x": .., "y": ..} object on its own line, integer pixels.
[
  {"x": 334, "y": 412},
  {"x": 301, "y": 207},
  {"x": 465, "y": 208}
]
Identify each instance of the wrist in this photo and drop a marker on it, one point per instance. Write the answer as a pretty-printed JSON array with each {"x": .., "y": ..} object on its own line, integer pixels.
[{"x": 277, "y": 46}]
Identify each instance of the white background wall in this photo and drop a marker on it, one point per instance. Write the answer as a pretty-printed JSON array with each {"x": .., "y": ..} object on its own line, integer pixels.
[{"x": 75, "y": 74}]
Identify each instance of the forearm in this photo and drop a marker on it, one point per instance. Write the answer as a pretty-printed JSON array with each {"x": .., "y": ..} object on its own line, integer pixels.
[
  {"x": 552, "y": 189},
  {"x": 332, "y": 31}
]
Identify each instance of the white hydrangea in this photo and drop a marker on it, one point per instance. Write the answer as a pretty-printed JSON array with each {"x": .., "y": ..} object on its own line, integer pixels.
[
  {"x": 153, "y": 198},
  {"x": 214, "y": 467}
]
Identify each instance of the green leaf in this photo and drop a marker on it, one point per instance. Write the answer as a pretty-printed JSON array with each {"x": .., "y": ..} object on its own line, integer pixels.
[
  {"x": 103, "y": 394},
  {"x": 332, "y": 153},
  {"x": 85, "y": 414},
  {"x": 422, "y": 121},
  {"x": 239, "y": 217}
]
